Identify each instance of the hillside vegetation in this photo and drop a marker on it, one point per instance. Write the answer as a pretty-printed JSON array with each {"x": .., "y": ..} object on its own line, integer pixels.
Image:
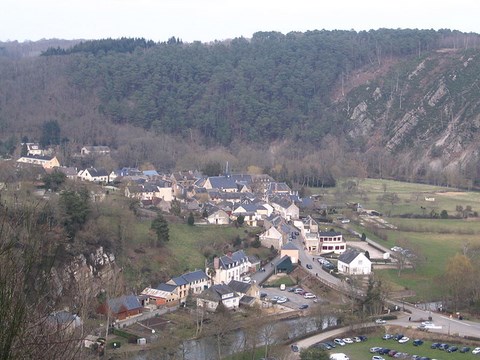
[{"x": 387, "y": 103}]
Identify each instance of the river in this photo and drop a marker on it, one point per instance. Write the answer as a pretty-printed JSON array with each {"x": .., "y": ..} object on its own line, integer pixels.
[{"x": 282, "y": 331}]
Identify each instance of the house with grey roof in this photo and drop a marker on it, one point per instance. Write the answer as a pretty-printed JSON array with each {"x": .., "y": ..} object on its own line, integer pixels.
[
  {"x": 122, "y": 307},
  {"x": 193, "y": 282},
  {"x": 216, "y": 294},
  {"x": 94, "y": 175},
  {"x": 229, "y": 267},
  {"x": 285, "y": 207},
  {"x": 354, "y": 262},
  {"x": 245, "y": 289}
]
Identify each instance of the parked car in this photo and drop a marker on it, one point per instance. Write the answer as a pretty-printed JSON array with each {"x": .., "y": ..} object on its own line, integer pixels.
[
  {"x": 464, "y": 349},
  {"x": 295, "y": 348},
  {"x": 363, "y": 337},
  {"x": 298, "y": 290},
  {"x": 377, "y": 357},
  {"x": 282, "y": 300},
  {"x": 380, "y": 321},
  {"x": 247, "y": 279},
  {"x": 331, "y": 344},
  {"x": 310, "y": 267},
  {"x": 403, "y": 340},
  {"x": 323, "y": 346},
  {"x": 374, "y": 349},
  {"x": 398, "y": 336},
  {"x": 443, "y": 347},
  {"x": 417, "y": 342},
  {"x": 303, "y": 306},
  {"x": 263, "y": 295},
  {"x": 347, "y": 341},
  {"x": 339, "y": 342},
  {"x": 435, "y": 345},
  {"x": 309, "y": 296},
  {"x": 387, "y": 337},
  {"x": 452, "y": 349},
  {"x": 357, "y": 339},
  {"x": 476, "y": 351}
]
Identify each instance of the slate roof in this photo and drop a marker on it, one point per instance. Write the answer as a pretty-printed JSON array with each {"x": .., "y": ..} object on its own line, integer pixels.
[
  {"x": 247, "y": 300},
  {"x": 289, "y": 246},
  {"x": 284, "y": 202},
  {"x": 39, "y": 157},
  {"x": 179, "y": 281},
  {"x": 330, "y": 233},
  {"x": 252, "y": 208},
  {"x": 62, "y": 317},
  {"x": 239, "y": 286},
  {"x": 348, "y": 256},
  {"x": 127, "y": 302},
  {"x": 276, "y": 187},
  {"x": 196, "y": 275},
  {"x": 166, "y": 287},
  {"x": 215, "y": 292},
  {"x": 237, "y": 257},
  {"x": 97, "y": 172}
]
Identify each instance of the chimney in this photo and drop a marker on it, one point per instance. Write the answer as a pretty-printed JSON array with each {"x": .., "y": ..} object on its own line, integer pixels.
[
  {"x": 216, "y": 263},
  {"x": 229, "y": 254}
]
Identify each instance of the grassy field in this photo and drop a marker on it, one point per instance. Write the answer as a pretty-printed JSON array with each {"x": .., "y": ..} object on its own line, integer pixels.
[
  {"x": 185, "y": 251},
  {"x": 436, "y": 240}
]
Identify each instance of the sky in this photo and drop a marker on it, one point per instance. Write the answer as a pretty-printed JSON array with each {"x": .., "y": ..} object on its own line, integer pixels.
[{"x": 209, "y": 20}]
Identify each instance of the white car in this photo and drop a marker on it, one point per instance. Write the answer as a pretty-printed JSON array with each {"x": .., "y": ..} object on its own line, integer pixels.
[
  {"x": 247, "y": 279},
  {"x": 339, "y": 342},
  {"x": 403, "y": 340},
  {"x": 282, "y": 300},
  {"x": 396, "y": 248},
  {"x": 298, "y": 290},
  {"x": 309, "y": 296},
  {"x": 377, "y": 357},
  {"x": 476, "y": 351},
  {"x": 380, "y": 321},
  {"x": 427, "y": 323},
  {"x": 374, "y": 349},
  {"x": 347, "y": 341},
  {"x": 357, "y": 339}
]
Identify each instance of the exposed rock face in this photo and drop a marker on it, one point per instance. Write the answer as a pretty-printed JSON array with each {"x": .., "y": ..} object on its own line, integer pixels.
[
  {"x": 85, "y": 274},
  {"x": 426, "y": 114},
  {"x": 363, "y": 125}
]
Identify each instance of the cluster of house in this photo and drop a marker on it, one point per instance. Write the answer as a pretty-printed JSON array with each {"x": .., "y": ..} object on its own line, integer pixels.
[
  {"x": 224, "y": 284},
  {"x": 258, "y": 199}
]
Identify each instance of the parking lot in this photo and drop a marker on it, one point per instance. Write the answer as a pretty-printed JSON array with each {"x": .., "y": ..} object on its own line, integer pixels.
[{"x": 294, "y": 300}]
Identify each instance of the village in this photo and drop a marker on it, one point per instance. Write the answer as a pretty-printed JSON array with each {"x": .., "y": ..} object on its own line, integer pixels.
[{"x": 233, "y": 280}]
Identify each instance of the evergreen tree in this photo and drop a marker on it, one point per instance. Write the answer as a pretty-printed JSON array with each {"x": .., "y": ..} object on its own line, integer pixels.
[
  {"x": 191, "y": 219},
  {"x": 50, "y": 133},
  {"x": 76, "y": 208},
  {"x": 240, "y": 220},
  {"x": 160, "y": 226}
]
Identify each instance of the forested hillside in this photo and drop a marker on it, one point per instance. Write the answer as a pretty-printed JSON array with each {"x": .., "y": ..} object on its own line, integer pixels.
[{"x": 372, "y": 103}]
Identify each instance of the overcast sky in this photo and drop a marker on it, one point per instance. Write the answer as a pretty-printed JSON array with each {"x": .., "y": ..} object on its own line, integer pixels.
[{"x": 208, "y": 20}]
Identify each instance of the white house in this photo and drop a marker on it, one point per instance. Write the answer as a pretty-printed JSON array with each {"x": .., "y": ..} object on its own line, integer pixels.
[
  {"x": 94, "y": 175},
  {"x": 216, "y": 294},
  {"x": 353, "y": 262},
  {"x": 218, "y": 217},
  {"x": 229, "y": 267}
]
